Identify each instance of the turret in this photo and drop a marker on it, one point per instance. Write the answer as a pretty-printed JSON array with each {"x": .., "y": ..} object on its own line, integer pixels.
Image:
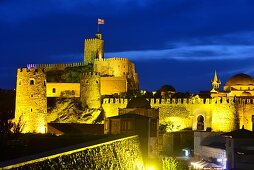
[
  {"x": 31, "y": 100},
  {"x": 93, "y": 49},
  {"x": 215, "y": 83},
  {"x": 90, "y": 95}
]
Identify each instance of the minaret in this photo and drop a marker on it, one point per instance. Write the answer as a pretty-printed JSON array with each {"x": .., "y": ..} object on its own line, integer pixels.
[{"x": 215, "y": 83}]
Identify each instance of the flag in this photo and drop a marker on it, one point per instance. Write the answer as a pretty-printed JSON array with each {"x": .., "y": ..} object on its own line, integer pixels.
[{"x": 100, "y": 21}]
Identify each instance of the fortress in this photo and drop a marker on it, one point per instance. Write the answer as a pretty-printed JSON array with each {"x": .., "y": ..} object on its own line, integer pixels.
[{"x": 109, "y": 79}]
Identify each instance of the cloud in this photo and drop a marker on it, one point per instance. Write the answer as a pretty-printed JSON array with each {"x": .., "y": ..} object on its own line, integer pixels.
[{"x": 191, "y": 53}]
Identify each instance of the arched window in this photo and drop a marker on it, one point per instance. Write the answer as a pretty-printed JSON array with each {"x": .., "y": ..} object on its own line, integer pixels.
[
  {"x": 54, "y": 90},
  {"x": 200, "y": 122},
  {"x": 19, "y": 81},
  {"x": 31, "y": 82}
]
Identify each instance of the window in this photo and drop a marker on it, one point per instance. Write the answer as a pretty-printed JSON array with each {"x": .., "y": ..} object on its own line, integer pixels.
[
  {"x": 54, "y": 90},
  {"x": 31, "y": 82},
  {"x": 31, "y": 110},
  {"x": 200, "y": 122},
  {"x": 32, "y": 95},
  {"x": 44, "y": 82},
  {"x": 20, "y": 82}
]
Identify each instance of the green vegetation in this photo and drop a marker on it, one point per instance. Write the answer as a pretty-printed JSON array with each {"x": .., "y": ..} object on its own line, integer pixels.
[
  {"x": 68, "y": 75},
  {"x": 170, "y": 163},
  {"x": 169, "y": 126}
]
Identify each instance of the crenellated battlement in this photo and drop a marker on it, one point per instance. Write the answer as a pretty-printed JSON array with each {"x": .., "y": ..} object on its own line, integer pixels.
[
  {"x": 115, "y": 101},
  {"x": 100, "y": 59},
  {"x": 90, "y": 74},
  {"x": 91, "y": 39},
  {"x": 31, "y": 70},
  {"x": 112, "y": 59},
  {"x": 177, "y": 101},
  {"x": 55, "y": 66},
  {"x": 118, "y": 58}
]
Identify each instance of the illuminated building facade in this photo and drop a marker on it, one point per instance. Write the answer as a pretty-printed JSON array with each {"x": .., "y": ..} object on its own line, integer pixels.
[{"x": 221, "y": 111}]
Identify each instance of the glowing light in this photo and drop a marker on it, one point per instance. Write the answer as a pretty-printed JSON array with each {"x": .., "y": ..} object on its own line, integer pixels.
[
  {"x": 219, "y": 160},
  {"x": 151, "y": 168}
]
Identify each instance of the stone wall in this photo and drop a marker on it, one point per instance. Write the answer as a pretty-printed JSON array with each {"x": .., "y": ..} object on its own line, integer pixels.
[
  {"x": 111, "y": 106},
  {"x": 63, "y": 89},
  {"x": 220, "y": 114},
  {"x": 122, "y": 153},
  {"x": 112, "y": 85},
  {"x": 31, "y": 100}
]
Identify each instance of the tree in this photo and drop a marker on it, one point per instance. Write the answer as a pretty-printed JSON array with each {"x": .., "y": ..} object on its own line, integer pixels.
[
  {"x": 5, "y": 128},
  {"x": 18, "y": 126},
  {"x": 170, "y": 163}
]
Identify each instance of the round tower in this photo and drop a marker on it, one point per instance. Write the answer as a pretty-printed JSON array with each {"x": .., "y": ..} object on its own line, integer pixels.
[
  {"x": 90, "y": 95},
  {"x": 31, "y": 100}
]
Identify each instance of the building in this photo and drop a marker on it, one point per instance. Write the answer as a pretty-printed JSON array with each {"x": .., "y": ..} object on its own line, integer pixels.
[
  {"x": 231, "y": 150},
  {"x": 104, "y": 86},
  {"x": 108, "y": 77},
  {"x": 240, "y": 149},
  {"x": 138, "y": 118}
]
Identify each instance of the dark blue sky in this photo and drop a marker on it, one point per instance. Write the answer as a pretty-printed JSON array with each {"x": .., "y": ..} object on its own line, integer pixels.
[{"x": 178, "y": 42}]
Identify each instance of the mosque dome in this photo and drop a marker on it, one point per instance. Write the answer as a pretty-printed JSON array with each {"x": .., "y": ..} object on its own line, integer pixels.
[
  {"x": 167, "y": 88},
  {"x": 139, "y": 102},
  {"x": 239, "y": 80}
]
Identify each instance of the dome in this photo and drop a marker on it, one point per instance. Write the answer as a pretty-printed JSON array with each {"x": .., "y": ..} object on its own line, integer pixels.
[
  {"x": 240, "y": 79},
  {"x": 139, "y": 102},
  {"x": 167, "y": 88}
]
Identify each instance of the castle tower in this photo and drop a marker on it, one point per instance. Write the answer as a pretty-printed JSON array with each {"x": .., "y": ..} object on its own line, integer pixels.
[
  {"x": 90, "y": 95},
  {"x": 215, "y": 83},
  {"x": 93, "y": 48},
  {"x": 31, "y": 100}
]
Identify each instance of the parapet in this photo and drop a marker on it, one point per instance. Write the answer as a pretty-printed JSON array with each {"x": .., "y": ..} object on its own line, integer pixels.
[
  {"x": 92, "y": 39},
  {"x": 90, "y": 74},
  {"x": 31, "y": 70},
  {"x": 115, "y": 101},
  {"x": 100, "y": 59},
  {"x": 177, "y": 101},
  {"x": 118, "y": 58},
  {"x": 218, "y": 100},
  {"x": 56, "y": 66}
]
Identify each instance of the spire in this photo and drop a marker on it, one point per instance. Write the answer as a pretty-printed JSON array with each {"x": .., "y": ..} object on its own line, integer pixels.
[
  {"x": 215, "y": 82},
  {"x": 215, "y": 78}
]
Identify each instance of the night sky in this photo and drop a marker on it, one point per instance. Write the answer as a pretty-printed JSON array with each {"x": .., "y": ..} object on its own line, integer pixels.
[{"x": 176, "y": 42}]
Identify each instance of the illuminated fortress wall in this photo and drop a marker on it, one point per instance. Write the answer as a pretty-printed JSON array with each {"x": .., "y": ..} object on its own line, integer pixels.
[
  {"x": 50, "y": 67},
  {"x": 117, "y": 67},
  {"x": 63, "y": 89},
  {"x": 122, "y": 153},
  {"x": 220, "y": 114},
  {"x": 112, "y": 85},
  {"x": 111, "y": 106},
  {"x": 31, "y": 100},
  {"x": 245, "y": 113}
]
